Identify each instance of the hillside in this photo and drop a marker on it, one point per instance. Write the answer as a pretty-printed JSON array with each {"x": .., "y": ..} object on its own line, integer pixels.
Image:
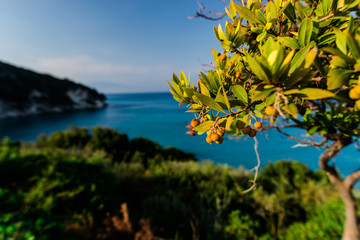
[
  {"x": 99, "y": 184},
  {"x": 24, "y": 92}
]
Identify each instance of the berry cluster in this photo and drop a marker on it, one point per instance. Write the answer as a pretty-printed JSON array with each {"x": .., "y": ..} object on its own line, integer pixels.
[
  {"x": 217, "y": 133},
  {"x": 251, "y": 131},
  {"x": 216, "y": 136}
]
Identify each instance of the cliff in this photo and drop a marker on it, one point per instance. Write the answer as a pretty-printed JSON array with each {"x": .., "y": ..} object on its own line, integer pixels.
[{"x": 24, "y": 92}]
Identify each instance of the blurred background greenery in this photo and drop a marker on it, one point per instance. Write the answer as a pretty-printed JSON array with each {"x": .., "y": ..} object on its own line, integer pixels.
[{"x": 97, "y": 184}]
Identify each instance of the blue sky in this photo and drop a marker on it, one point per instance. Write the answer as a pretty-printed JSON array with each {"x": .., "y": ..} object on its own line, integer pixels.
[{"x": 112, "y": 45}]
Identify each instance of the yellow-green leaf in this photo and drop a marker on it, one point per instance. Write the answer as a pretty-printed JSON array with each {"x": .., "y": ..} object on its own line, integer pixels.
[
  {"x": 310, "y": 93},
  {"x": 209, "y": 102},
  {"x": 291, "y": 109},
  {"x": 247, "y": 14},
  {"x": 229, "y": 121},
  {"x": 240, "y": 92},
  {"x": 203, "y": 127},
  {"x": 305, "y": 31},
  {"x": 257, "y": 69},
  {"x": 289, "y": 42},
  {"x": 204, "y": 90},
  {"x": 299, "y": 58},
  {"x": 338, "y": 77}
]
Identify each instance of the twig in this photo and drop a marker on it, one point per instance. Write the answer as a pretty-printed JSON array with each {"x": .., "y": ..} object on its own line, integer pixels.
[
  {"x": 200, "y": 13},
  {"x": 331, "y": 15},
  {"x": 308, "y": 143},
  {"x": 256, "y": 168}
]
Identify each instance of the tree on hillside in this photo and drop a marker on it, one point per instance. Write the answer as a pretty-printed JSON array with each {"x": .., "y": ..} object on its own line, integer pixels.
[{"x": 289, "y": 64}]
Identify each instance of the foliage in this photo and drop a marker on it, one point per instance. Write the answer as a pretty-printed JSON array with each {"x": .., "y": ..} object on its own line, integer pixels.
[
  {"x": 46, "y": 190},
  {"x": 325, "y": 223},
  {"x": 113, "y": 144},
  {"x": 299, "y": 60},
  {"x": 299, "y": 57}
]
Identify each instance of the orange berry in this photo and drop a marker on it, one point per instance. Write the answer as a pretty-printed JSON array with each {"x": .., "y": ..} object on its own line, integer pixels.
[
  {"x": 220, "y": 140},
  {"x": 209, "y": 140},
  {"x": 237, "y": 74},
  {"x": 258, "y": 125},
  {"x": 215, "y": 137},
  {"x": 357, "y": 89},
  {"x": 195, "y": 122},
  {"x": 353, "y": 93},
  {"x": 246, "y": 130},
  {"x": 222, "y": 57},
  {"x": 269, "y": 110},
  {"x": 252, "y": 132},
  {"x": 221, "y": 131}
]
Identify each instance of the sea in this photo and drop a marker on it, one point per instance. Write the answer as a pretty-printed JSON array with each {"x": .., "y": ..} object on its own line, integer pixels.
[{"x": 159, "y": 117}]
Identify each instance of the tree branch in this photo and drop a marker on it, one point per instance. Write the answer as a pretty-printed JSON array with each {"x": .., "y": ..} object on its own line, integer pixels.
[
  {"x": 331, "y": 152},
  {"x": 308, "y": 143},
  {"x": 209, "y": 15},
  {"x": 351, "y": 179}
]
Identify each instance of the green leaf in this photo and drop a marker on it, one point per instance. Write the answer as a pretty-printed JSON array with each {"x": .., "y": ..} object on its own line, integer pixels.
[
  {"x": 271, "y": 11},
  {"x": 247, "y": 14},
  {"x": 326, "y": 39},
  {"x": 188, "y": 92},
  {"x": 303, "y": 77},
  {"x": 257, "y": 69},
  {"x": 291, "y": 109},
  {"x": 305, "y": 31},
  {"x": 209, "y": 102},
  {"x": 204, "y": 90},
  {"x": 258, "y": 114},
  {"x": 323, "y": 7},
  {"x": 285, "y": 66},
  {"x": 229, "y": 121},
  {"x": 176, "y": 88},
  {"x": 261, "y": 36},
  {"x": 232, "y": 9},
  {"x": 310, "y": 93},
  {"x": 290, "y": 12},
  {"x": 337, "y": 52},
  {"x": 312, "y": 130},
  {"x": 341, "y": 40},
  {"x": 300, "y": 9},
  {"x": 221, "y": 32},
  {"x": 338, "y": 77},
  {"x": 289, "y": 42},
  {"x": 270, "y": 100},
  {"x": 260, "y": 96},
  {"x": 222, "y": 99},
  {"x": 217, "y": 34},
  {"x": 310, "y": 57},
  {"x": 240, "y": 92},
  {"x": 203, "y": 127},
  {"x": 260, "y": 106},
  {"x": 338, "y": 62},
  {"x": 353, "y": 45},
  {"x": 299, "y": 58},
  {"x": 175, "y": 78},
  {"x": 260, "y": 16},
  {"x": 215, "y": 56}
]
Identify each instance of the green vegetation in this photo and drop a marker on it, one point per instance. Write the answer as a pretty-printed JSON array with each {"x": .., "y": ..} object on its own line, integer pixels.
[
  {"x": 296, "y": 60},
  {"x": 72, "y": 185}
]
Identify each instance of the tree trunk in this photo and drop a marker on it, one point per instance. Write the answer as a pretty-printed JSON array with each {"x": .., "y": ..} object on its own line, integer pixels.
[{"x": 351, "y": 228}]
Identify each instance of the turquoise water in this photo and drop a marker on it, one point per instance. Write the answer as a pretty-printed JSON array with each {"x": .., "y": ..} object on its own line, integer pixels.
[{"x": 157, "y": 116}]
